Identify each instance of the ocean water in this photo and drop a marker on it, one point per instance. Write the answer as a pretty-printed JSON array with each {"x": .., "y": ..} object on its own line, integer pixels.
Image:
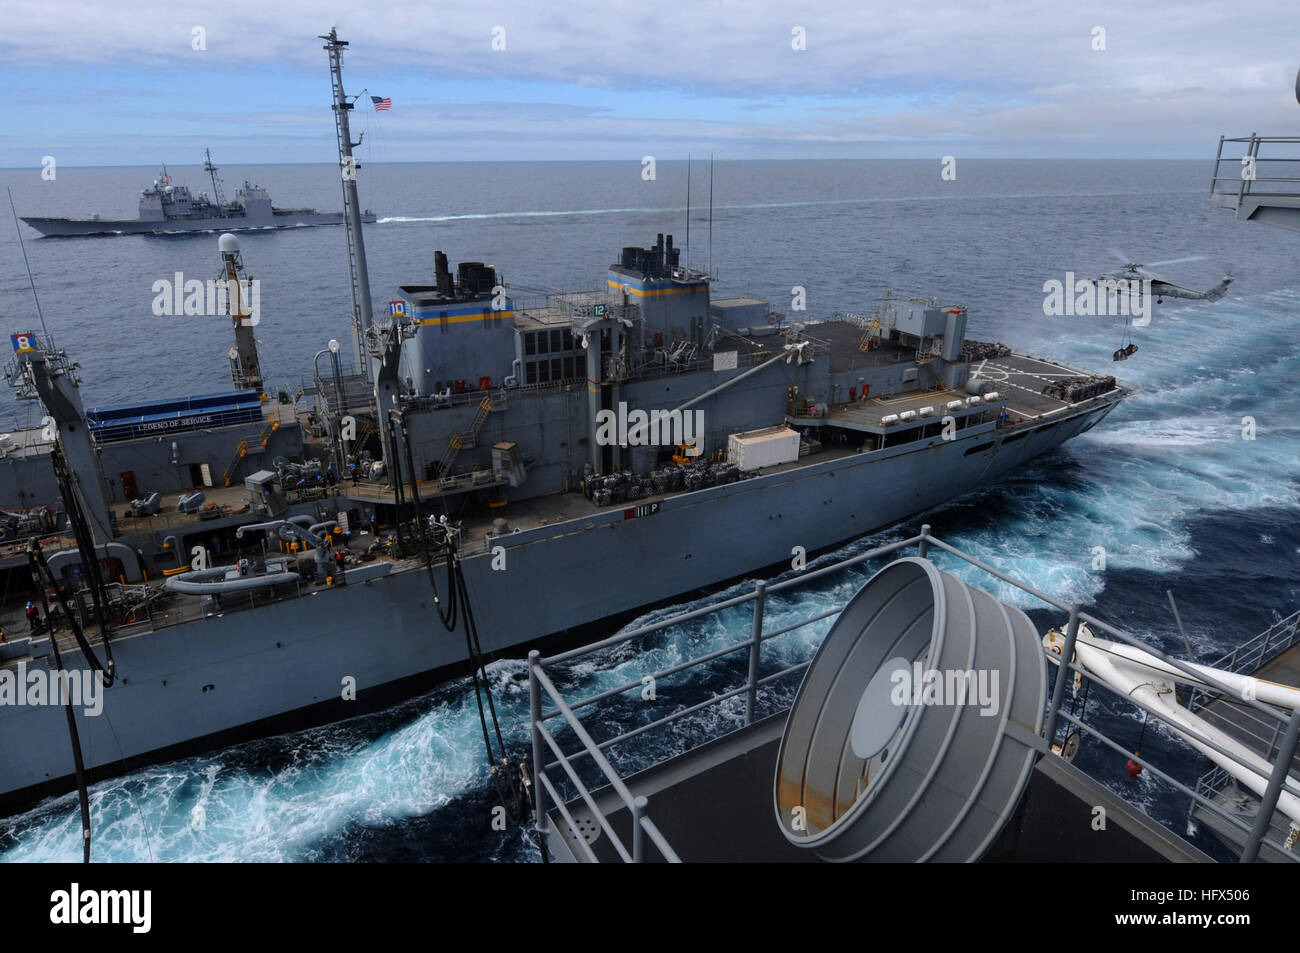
[{"x": 1166, "y": 484}]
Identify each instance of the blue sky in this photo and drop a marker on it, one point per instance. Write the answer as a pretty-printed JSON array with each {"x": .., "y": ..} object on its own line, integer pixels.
[{"x": 121, "y": 84}]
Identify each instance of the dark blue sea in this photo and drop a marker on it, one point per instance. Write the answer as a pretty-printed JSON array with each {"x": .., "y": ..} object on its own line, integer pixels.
[{"x": 1167, "y": 484}]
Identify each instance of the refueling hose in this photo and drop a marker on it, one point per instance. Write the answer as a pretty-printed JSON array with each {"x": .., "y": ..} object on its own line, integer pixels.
[
  {"x": 458, "y": 595},
  {"x": 90, "y": 561},
  {"x": 79, "y": 765}
]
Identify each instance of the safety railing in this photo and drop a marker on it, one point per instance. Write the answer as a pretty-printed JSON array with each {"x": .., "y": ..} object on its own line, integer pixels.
[
  {"x": 659, "y": 367},
  {"x": 1211, "y": 782},
  {"x": 1254, "y": 654},
  {"x": 160, "y": 611},
  {"x": 1247, "y": 172},
  {"x": 463, "y": 398},
  {"x": 546, "y": 746}
]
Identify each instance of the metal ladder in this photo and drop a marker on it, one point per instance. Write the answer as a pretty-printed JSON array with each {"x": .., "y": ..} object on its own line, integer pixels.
[
  {"x": 241, "y": 450},
  {"x": 467, "y": 439},
  {"x": 865, "y": 344}
]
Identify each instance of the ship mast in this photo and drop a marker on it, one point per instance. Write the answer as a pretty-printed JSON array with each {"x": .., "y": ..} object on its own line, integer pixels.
[
  {"x": 362, "y": 315},
  {"x": 218, "y": 199}
]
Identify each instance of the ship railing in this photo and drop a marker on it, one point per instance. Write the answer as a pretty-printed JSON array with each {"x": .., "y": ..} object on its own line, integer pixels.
[
  {"x": 1241, "y": 173},
  {"x": 548, "y": 753},
  {"x": 1212, "y": 781},
  {"x": 157, "y": 613},
  {"x": 816, "y": 345},
  {"x": 464, "y": 398},
  {"x": 659, "y": 367},
  {"x": 565, "y": 383},
  {"x": 356, "y": 392},
  {"x": 184, "y": 608},
  {"x": 55, "y": 358},
  {"x": 1254, "y": 654},
  {"x": 1247, "y": 658}
]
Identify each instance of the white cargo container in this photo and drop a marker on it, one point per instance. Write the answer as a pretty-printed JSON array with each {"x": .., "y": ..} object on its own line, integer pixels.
[{"x": 763, "y": 448}]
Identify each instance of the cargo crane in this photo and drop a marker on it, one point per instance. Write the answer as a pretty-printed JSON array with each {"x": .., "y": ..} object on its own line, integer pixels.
[{"x": 245, "y": 368}]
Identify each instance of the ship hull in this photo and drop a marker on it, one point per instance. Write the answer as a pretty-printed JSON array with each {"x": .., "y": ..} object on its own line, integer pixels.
[
  {"x": 72, "y": 228},
  {"x": 221, "y": 679}
]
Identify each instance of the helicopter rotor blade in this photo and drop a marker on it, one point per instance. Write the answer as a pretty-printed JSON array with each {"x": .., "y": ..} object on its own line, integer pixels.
[
  {"x": 1125, "y": 259},
  {"x": 1176, "y": 261}
]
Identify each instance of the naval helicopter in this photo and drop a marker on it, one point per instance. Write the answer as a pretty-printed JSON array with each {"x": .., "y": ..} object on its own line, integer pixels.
[
  {"x": 1134, "y": 275},
  {"x": 1161, "y": 287}
]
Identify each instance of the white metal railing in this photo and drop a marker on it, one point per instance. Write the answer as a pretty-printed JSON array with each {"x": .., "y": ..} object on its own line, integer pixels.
[{"x": 541, "y": 687}]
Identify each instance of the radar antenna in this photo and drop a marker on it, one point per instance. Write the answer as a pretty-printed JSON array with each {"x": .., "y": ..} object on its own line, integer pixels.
[
  {"x": 688, "y": 213},
  {"x": 358, "y": 272},
  {"x": 211, "y": 170}
]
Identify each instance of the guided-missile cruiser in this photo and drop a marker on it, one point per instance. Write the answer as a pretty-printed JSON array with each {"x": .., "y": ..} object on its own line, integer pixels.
[{"x": 168, "y": 207}]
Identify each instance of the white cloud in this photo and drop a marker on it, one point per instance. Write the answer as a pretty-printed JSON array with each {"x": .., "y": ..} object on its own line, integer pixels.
[{"x": 1173, "y": 72}]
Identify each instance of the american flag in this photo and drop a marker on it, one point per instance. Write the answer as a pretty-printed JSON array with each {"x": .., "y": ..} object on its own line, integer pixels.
[{"x": 381, "y": 103}]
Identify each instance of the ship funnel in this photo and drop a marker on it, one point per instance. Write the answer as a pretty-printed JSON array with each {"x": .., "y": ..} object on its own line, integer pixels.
[
  {"x": 913, "y": 734},
  {"x": 442, "y": 274},
  {"x": 228, "y": 244}
]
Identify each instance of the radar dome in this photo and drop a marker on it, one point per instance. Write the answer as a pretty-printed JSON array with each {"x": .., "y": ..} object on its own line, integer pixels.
[{"x": 228, "y": 243}]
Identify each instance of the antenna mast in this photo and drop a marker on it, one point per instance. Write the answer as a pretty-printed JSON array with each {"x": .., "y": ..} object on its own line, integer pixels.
[
  {"x": 688, "y": 213},
  {"x": 362, "y": 315},
  {"x": 211, "y": 170},
  {"x": 26, "y": 264},
  {"x": 710, "y": 265}
]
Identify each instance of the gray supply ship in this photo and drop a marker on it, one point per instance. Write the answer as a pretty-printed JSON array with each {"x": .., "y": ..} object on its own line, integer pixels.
[
  {"x": 492, "y": 472},
  {"x": 168, "y": 208}
]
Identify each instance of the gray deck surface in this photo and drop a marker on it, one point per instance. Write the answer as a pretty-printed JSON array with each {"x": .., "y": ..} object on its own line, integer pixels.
[{"x": 714, "y": 804}]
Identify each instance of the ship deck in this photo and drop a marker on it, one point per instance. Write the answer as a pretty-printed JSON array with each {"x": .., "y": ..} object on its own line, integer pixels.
[
  {"x": 1017, "y": 379},
  {"x": 29, "y": 442},
  {"x": 1248, "y": 727},
  {"x": 556, "y": 507},
  {"x": 168, "y": 609},
  {"x": 229, "y": 500},
  {"x": 1020, "y": 378},
  {"x": 714, "y": 804}
]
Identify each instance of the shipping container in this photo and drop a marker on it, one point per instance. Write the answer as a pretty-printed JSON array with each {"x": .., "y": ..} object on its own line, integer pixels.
[{"x": 757, "y": 449}]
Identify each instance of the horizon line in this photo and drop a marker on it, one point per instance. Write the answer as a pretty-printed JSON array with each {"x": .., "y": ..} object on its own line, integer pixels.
[{"x": 925, "y": 158}]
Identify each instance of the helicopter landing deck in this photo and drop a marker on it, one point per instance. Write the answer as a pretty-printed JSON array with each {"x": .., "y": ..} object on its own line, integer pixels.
[{"x": 1020, "y": 379}]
